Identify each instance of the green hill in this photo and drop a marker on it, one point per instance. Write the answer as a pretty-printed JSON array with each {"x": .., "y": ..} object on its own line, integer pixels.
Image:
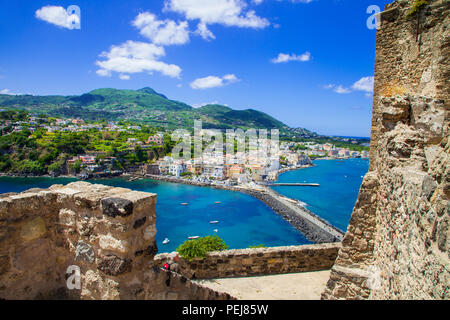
[{"x": 144, "y": 105}]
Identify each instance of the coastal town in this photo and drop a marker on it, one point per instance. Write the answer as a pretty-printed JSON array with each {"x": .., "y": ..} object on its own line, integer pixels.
[{"x": 146, "y": 151}]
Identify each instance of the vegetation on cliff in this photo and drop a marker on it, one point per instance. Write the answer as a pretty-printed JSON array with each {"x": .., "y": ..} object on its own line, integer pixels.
[
  {"x": 43, "y": 152},
  {"x": 418, "y": 4}
]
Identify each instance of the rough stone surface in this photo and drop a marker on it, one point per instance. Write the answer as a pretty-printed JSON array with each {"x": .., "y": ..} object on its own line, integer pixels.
[
  {"x": 396, "y": 246},
  {"x": 253, "y": 262},
  {"x": 33, "y": 229},
  {"x": 114, "y": 207},
  {"x": 113, "y": 266},
  {"x": 97, "y": 228},
  {"x": 84, "y": 252}
]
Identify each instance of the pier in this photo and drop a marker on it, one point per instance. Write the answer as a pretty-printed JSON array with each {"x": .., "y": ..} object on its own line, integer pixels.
[
  {"x": 311, "y": 226},
  {"x": 296, "y": 184}
]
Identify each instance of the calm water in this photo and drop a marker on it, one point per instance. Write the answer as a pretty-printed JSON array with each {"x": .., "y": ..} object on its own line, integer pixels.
[
  {"x": 339, "y": 186},
  {"x": 243, "y": 220}
]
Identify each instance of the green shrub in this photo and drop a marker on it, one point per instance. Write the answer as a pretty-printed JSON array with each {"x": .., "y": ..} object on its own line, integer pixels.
[
  {"x": 199, "y": 248},
  {"x": 416, "y": 6},
  {"x": 257, "y": 246}
]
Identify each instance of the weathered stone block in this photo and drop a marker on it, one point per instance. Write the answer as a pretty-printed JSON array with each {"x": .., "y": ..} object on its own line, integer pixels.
[
  {"x": 114, "y": 207},
  {"x": 84, "y": 252},
  {"x": 31, "y": 256},
  {"x": 149, "y": 232},
  {"x": 113, "y": 265},
  {"x": 33, "y": 229},
  {"x": 109, "y": 243},
  {"x": 67, "y": 217},
  {"x": 4, "y": 264},
  {"x": 139, "y": 223}
]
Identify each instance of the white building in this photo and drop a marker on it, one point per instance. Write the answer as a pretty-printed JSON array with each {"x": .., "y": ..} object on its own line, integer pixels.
[
  {"x": 218, "y": 173},
  {"x": 177, "y": 169}
]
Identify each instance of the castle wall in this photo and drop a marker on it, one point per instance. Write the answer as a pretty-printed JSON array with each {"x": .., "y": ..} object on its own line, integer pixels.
[
  {"x": 256, "y": 262},
  {"x": 108, "y": 233},
  {"x": 397, "y": 243}
]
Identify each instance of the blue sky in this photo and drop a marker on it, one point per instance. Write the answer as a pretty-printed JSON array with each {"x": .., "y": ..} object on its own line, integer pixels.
[{"x": 307, "y": 63}]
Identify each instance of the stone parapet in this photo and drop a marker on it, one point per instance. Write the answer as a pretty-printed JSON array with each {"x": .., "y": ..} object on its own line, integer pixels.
[
  {"x": 256, "y": 262},
  {"x": 106, "y": 233}
]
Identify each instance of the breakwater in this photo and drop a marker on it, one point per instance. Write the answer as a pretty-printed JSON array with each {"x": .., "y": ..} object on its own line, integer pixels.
[
  {"x": 282, "y": 170},
  {"x": 311, "y": 226}
]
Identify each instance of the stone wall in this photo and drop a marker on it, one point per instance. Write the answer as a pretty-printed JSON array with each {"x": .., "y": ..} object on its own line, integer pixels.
[
  {"x": 397, "y": 243},
  {"x": 255, "y": 262},
  {"x": 173, "y": 286},
  {"x": 108, "y": 233}
]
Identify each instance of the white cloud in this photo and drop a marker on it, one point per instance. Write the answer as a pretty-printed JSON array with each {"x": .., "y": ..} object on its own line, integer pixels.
[
  {"x": 204, "y": 32},
  {"x": 162, "y": 32},
  {"x": 283, "y": 57},
  {"x": 364, "y": 84},
  {"x": 134, "y": 57},
  {"x": 199, "y": 105},
  {"x": 213, "y": 82},
  {"x": 225, "y": 12},
  {"x": 8, "y": 92},
  {"x": 230, "y": 78},
  {"x": 257, "y": 2},
  {"x": 301, "y": 1},
  {"x": 342, "y": 90},
  {"x": 124, "y": 77},
  {"x": 58, "y": 16},
  {"x": 103, "y": 73}
]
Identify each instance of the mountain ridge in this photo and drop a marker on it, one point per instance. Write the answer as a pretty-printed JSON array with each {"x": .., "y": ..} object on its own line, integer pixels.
[{"x": 143, "y": 105}]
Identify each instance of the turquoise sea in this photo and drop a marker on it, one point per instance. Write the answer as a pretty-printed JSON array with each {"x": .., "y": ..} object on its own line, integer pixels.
[
  {"x": 339, "y": 181},
  {"x": 243, "y": 220}
]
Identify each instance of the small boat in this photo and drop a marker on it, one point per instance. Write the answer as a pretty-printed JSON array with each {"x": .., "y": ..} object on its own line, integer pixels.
[
  {"x": 214, "y": 222},
  {"x": 166, "y": 241},
  {"x": 194, "y": 237},
  {"x": 218, "y": 202},
  {"x": 184, "y": 204},
  {"x": 215, "y": 230}
]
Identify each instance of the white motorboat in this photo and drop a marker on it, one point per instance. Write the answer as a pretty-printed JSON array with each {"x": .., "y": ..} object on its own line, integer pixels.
[
  {"x": 166, "y": 241},
  {"x": 214, "y": 222}
]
